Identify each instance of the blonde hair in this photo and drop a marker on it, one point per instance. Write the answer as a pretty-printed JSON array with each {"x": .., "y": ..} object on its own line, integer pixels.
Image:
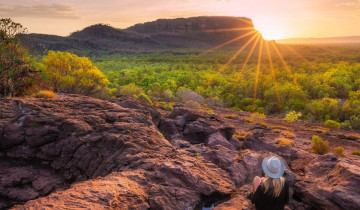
[{"x": 274, "y": 186}]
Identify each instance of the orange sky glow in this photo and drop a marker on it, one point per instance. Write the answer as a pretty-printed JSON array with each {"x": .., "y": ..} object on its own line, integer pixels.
[{"x": 276, "y": 19}]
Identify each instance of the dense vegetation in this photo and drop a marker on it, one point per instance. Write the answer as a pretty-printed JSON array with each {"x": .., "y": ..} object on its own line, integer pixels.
[
  {"x": 317, "y": 83},
  {"x": 323, "y": 85}
]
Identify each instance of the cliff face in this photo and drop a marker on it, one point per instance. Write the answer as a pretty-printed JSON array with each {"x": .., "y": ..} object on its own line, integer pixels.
[
  {"x": 191, "y": 25},
  {"x": 79, "y": 152},
  {"x": 195, "y": 32}
]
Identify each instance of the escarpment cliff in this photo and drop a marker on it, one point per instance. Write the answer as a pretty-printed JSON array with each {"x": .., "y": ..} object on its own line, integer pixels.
[{"x": 194, "y": 32}]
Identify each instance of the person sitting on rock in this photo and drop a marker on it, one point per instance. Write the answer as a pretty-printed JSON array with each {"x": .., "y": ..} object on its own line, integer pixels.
[{"x": 271, "y": 191}]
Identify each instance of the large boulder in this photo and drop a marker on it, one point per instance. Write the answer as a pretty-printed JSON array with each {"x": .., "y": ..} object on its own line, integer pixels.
[
  {"x": 48, "y": 144},
  {"x": 330, "y": 183}
]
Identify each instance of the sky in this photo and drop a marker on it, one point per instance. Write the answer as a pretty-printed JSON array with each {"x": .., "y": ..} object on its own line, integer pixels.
[{"x": 275, "y": 19}]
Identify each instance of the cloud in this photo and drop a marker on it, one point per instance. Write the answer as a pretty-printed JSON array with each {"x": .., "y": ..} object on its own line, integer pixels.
[
  {"x": 350, "y": 3},
  {"x": 58, "y": 11}
]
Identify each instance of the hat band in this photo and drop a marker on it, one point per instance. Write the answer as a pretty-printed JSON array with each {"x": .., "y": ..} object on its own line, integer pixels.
[{"x": 273, "y": 171}]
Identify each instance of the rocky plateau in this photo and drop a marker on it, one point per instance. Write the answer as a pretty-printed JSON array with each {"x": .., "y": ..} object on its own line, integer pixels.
[{"x": 76, "y": 152}]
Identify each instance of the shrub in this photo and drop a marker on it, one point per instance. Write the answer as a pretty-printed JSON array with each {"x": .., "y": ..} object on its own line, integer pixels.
[
  {"x": 292, "y": 116},
  {"x": 262, "y": 124},
  {"x": 288, "y": 135},
  {"x": 339, "y": 152},
  {"x": 257, "y": 115},
  {"x": 332, "y": 124},
  {"x": 355, "y": 153},
  {"x": 168, "y": 95},
  {"x": 355, "y": 122},
  {"x": 282, "y": 141},
  {"x": 130, "y": 90},
  {"x": 307, "y": 142},
  {"x": 210, "y": 111},
  {"x": 188, "y": 95},
  {"x": 241, "y": 135},
  {"x": 345, "y": 124},
  {"x": 276, "y": 131},
  {"x": 192, "y": 104},
  {"x": 319, "y": 146},
  {"x": 45, "y": 94},
  {"x": 68, "y": 73},
  {"x": 168, "y": 107},
  {"x": 279, "y": 127},
  {"x": 144, "y": 97},
  {"x": 230, "y": 116}
]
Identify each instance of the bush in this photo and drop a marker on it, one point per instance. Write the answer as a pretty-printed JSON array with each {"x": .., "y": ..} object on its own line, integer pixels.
[
  {"x": 339, "y": 152},
  {"x": 130, "y": 90},
  {"x": 262, "y": 124},
  {"x": 68, "y": 73},
  {"x": 332, "y": 124},
  {"x": 241, "y": 135},
  {"x": 345, "y": 124},
  {"x": 188, "y": 95},
  {"x": 168, "y": 107},
  {"x": 355, "y": 122},
  {"x": 355, "y": 153},
  {"x": 288, "y": 135},
  {"x": 280, "y": 127},
  {"x": 231, "y": 116},
  {"x": 257, "y": 115},
  {"x": 210, "y": 111},
  {"x": 282, "y": 141},
  {"x": 292, "y": 116},
  {"x": 192, "y": 104},
  {"x": 144, "y": 97},
  {"x": 307, "y": 142},
  {"x": 45, "y": 94},
  {"x": 319, "y": 146}
]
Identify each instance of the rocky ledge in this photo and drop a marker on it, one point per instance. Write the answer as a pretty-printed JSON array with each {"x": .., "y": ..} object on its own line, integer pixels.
[{"x": 80, "y": 152}]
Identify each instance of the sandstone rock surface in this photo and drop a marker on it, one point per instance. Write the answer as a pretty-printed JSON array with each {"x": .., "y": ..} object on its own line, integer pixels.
[{"x": 79, "y": 152}]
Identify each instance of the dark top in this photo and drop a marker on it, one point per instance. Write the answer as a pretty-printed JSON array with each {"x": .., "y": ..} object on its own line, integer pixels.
[{"x": 265, "y": 201}]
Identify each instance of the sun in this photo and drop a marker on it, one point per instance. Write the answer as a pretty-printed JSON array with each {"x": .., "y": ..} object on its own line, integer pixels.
[{"x": 270, "y": 32}]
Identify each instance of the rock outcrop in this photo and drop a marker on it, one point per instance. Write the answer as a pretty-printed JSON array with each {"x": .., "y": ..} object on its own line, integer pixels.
[
  {"x": 79, "y": 152},
  {"x": 191, "y": 25},
  {"x": 194, "y": 32}
]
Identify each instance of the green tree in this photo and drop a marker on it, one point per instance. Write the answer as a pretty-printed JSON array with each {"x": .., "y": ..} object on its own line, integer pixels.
[
  {"x": 17, "y": 72},
  {"x": 69, "y": 73}
]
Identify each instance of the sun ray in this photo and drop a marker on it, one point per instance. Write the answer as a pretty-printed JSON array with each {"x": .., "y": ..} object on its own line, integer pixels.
[
  {"x": 246, "y": 61},
  {"x": 289, "y": 70},
  {"x": 258, "y": 70},
  {"x": 296, "y": 53},
  {"x": 228, "y": 29},
  {"x": 228, "y": 42},
  {"x": 222, "y": 68},
  {"x": 273, "y": 74}
]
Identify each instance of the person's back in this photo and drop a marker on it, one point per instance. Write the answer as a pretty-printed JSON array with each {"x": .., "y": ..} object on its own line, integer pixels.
[
  {"x": 271, "y": 192},
  {"x": 267, "y": 200}
]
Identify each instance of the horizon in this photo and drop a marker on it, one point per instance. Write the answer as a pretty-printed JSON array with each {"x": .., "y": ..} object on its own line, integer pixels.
[{"x": 278, "y": 20}]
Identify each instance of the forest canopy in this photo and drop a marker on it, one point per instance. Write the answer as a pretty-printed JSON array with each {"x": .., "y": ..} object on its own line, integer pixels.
[{"x": 326, "y": 88}]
